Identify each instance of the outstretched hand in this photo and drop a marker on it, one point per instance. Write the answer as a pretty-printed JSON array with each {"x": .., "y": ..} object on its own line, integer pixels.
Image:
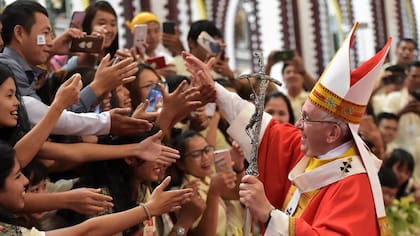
[
  {"x": 198, "y": 69},
  {"x": 88, "y": 201},
  {"x": 68, "y": 93},
  {"x": 201, "y": 77},
  {"x": 60, "y": 44},
  {"x": 166, "y": 201},
  {"x": 180, "y": 102},
  {"x": 141, "y": 113},
  {"x": 109, "y": 76},
  {"x": 151, "y": 149},
  {"x": 122, "y": 124}
]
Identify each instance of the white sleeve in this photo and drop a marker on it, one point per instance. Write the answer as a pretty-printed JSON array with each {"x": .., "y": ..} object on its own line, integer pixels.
[
  {"x": 278, "y": 225},
  {"x": 238, "y": 112},
  {"x": 69, "y": 123},
  {"x": 31, "y": 232}
]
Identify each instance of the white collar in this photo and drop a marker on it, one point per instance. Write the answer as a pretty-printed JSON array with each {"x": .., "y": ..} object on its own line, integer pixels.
[{"x": 338, "y": 151}]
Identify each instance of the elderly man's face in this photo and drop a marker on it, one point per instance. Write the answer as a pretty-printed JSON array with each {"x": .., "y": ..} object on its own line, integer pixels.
[{"x": 314, "y": 128}]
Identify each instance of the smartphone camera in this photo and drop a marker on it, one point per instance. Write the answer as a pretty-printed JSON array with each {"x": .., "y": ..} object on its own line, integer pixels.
[
  {"x": 154, "y": 98},
  {"x": 215, "y": 48},
  {"x": 88, "y": 44},
  {"x": 168, "y": 27},
  {"x": 208, "y": 43},
  {"x": 285, "y": 55}
]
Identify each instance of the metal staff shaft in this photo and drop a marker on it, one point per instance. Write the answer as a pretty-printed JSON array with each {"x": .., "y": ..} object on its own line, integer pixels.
[{"x": 254, "y": 126}]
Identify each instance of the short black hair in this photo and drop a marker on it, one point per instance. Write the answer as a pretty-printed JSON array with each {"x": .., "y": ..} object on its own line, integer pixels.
[
  {"x": 35, "y": 171},
  {"x": 19, "y": 13},
  {"x": 401, "y": 158},
  {"x": 7, "y": 162},
  {"x": 395, "y": 69},
  {"x": 387, "y": 178},
  {"x": 387, "y": 116},
  {"x": 407, "y": 40},
  {"x": 414, "y": 64},
  {"x": 203, "y": 25},
  {"x": 174, "y": 81}
]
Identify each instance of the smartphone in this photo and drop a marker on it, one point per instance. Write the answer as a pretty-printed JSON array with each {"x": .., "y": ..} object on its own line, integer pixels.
[
  {"x": 222, "y": 160},
  {"x": 77, "y": 19},
  {"x": 208, "y": 43},
  {"x": 168, "y": 27},
  {"x": 284, "y": 55},
  {"x": 88, "y": 44},
  {"x": 140, "y": 34},
  {"x": 156, "y": 62},
  {"x": 154, "y": 97}
]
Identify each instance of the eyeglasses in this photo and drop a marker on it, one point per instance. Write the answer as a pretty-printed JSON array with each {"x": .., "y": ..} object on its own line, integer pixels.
[
  {"x": 306, "y": 120},
  {"x": 153, "y": 85},
  {"x": 199, "y": 153}
]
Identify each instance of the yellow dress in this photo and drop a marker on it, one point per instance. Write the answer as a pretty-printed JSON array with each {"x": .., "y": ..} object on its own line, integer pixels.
[{"x": 203, "y": 188}]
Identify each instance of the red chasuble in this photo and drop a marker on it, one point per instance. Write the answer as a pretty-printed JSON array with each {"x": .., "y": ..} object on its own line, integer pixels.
[
  {"x": 278, "y": 153},
  {"x": 343, "y": 208}
]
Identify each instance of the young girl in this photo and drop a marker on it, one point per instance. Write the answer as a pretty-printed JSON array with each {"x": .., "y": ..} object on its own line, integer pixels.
[
  {"x": 401, "y": 163},
  {"x": 196, "y": 166},
  {"x": 101, "y": 21},
  {"x": 146, "y": 79},
  {"x": 127, "y": 181},
  {"x": 278, "y": 105},
  {"x": 12, "y": 194}
]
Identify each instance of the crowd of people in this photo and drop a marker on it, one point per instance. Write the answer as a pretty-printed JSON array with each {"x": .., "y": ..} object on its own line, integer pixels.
[{"x": 114, "y": 142}]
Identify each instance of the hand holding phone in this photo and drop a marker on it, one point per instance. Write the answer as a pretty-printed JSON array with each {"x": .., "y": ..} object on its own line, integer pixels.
[
  {"x": 140, "y": 34},
  {"x": 222, "y": 160},
  {"x": 154, "y": 97},
  {"x": 285, "y": 55},
  {"x": 88, "y": 44},
  {"x": 157, "y": 62},
  {"x": 208, "y": 43},
  {"x": 168, "y": 27},
  {"x": 77, "y": 19}
]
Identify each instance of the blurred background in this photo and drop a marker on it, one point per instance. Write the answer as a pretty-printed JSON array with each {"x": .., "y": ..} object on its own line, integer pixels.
[{"x": 315, "y": 28}]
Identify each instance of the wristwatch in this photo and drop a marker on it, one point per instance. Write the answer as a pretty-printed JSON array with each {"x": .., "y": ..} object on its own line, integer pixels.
[{"x": 179, "y": 231}]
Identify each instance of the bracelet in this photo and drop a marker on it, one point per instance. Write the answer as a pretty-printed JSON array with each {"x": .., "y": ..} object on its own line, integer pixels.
[{"x": 146, "y": 209}]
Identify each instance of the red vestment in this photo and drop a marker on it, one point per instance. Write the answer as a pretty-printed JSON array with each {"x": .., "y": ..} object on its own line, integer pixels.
[
  {"x": 278, "y": 153},
  {"x": 345, "y": 207}
]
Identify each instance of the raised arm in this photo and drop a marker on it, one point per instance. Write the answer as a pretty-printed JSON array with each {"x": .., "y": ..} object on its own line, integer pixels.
[
  {"x": 177, "y": 105},
  {"x": 160, "y": 202},
  {"x": 149, "y": 149},
  {"x": 83, "y": 200},
  {"x": 69, "y": 123},
  {"x": 232, "y": 107},
  {"x": 28, "y": 146}
]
